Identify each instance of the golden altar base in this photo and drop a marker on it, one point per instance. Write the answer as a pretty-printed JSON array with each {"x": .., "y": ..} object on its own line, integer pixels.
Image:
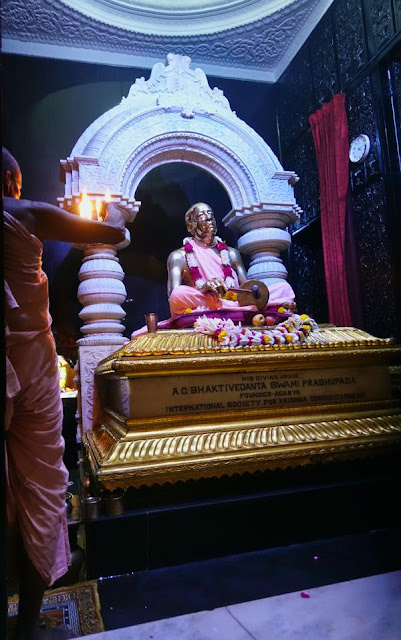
[{"x": 177, "y": 406}]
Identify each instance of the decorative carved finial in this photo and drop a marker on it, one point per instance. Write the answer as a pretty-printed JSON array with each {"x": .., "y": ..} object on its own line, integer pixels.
[{"x": 176, "y": 85}]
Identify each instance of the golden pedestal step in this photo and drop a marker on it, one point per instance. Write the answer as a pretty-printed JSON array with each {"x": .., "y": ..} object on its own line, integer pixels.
[{"x": 176, "y": 405}]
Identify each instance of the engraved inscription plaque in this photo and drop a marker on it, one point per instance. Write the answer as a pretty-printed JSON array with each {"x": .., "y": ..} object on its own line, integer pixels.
[
  {"x": 178, "y": 406},
  {"x": 158, "y": 396}
]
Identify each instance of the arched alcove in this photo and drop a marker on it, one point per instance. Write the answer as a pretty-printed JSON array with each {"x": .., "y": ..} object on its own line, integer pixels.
[
  {"x": 165, "y": 193},
  {"x": 176, "y": 117}
]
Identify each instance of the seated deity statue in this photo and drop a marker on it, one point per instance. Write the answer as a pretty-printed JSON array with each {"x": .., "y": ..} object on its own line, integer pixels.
[{"x": 203, "y": 271}]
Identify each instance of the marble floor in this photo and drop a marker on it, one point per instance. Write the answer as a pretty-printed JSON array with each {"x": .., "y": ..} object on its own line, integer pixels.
[
  {"x": 353, "y": 583},
  {"x": 367, "y": 608}
]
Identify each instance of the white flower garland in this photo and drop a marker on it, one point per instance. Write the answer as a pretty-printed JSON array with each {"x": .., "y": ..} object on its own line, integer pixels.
[
  {"x": 193, "y": 266},
  {"x": 292, "y": 331}
]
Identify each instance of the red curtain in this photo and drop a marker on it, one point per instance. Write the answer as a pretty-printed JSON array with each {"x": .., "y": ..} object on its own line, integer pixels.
[{"x": 330, "y": 135}]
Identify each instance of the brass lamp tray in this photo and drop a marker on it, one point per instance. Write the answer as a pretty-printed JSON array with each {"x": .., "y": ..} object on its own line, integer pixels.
[{"x": 176, "y": 405}]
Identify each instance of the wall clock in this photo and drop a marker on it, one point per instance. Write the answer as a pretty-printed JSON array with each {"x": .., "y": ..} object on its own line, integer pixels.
[{"x": 359, "y": 148}]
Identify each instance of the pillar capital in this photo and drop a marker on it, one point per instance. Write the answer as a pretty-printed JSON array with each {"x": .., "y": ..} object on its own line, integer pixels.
[
  {"x": 262, "y": 228},
  {"x": 262, "y": 214}
]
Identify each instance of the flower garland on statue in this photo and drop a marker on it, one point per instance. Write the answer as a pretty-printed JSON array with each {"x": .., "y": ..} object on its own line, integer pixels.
[
  {"x": 193, "y": 266},
  {"x": 292, "y": 331}
]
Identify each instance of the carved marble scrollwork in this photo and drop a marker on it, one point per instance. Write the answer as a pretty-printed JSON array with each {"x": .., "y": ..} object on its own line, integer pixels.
[
  {"x": 177, "y": 116},
  {"x": 173, "y": 116},
  {"x": 258, "y": 43},
  {"x": 89, "y": 357}
]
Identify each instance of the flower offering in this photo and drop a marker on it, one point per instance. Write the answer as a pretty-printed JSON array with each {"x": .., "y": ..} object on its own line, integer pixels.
[{"x": 292, "y": 331}]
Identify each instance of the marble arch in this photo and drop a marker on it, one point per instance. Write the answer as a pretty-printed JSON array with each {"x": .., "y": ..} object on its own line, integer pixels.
[
  {"x": 176, "y": 117},
  {"x": 172, "y": 117}
]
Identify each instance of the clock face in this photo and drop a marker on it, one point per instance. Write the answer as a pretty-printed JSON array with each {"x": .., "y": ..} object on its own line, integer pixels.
[{"x": 359, "y": 148}]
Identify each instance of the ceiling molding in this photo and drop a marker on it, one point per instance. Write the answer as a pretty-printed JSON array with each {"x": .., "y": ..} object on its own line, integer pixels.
[
  {"x": 259, "y": 51},
  {"x": 181, "y": 17},
  {"x": 303, "y": 34}
]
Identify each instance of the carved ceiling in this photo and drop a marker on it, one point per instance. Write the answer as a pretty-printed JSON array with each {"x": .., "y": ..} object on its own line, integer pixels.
[{"x": 246, "y": 39}]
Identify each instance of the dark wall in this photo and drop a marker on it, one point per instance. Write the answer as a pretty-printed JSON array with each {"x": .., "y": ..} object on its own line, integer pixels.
[
  {"x": 354, "y": 49},
  {"x": 47, "y": 105}
]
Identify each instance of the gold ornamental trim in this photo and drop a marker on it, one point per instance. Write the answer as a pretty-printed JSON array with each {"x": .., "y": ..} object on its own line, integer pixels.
[
  {"x": 215, "y": 452},
  {"x": 174, "y": 351},
  {"x": 157, "y": 428},
  {"x": 223, "y": 420},
  {"x": 186, "y": 341}
]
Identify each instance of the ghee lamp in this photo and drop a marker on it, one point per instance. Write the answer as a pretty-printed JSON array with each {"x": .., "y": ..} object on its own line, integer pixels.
[
  {"x": 85, "y": 206},
  {"x": 98, "y": 208}
]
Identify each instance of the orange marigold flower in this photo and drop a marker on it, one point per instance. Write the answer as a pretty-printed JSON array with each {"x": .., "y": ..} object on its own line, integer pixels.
[{"x": 230, "y": 295}]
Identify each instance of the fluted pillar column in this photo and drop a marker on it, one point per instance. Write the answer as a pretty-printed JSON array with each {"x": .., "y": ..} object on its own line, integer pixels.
[
  {"x": 102, "y": 294},
  {"x": 264, "y": 247}
]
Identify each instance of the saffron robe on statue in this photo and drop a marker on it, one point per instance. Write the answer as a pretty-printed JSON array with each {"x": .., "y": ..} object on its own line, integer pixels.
[
  {"x": 184, "y": 297},
  {"x": 36, "y": 476}
]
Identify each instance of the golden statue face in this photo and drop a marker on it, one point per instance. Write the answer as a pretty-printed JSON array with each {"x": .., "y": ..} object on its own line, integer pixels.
[
  {"x": 13, "y": 184},
  {"x": 205, "y": 222}
]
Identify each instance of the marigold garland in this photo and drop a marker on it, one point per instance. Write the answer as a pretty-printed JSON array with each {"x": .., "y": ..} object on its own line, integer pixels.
[
  {"x": 193, "y": 266},
  {"x": 292, "y": 331},
  {"x": 230, "y": 295}
]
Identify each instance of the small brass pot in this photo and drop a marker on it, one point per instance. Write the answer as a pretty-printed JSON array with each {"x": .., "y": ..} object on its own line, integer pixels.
[
  {"x": 91, "y": 507},
  {"x": 113, "y": 503}
]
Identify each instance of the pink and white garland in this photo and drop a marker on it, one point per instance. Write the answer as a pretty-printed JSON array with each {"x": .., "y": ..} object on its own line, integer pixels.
[
  {"x": 292, "y": 331},
  {"x": 193, "y": 266}
]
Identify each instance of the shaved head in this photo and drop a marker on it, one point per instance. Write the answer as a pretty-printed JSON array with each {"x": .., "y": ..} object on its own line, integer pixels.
[
  {"x": 11, "y": 175},
  {"x": 8, "y": 162},
  {"x": 191, "y": 215}
]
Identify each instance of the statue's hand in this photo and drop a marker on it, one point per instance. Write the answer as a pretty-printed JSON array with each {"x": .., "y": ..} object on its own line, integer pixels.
[{"x": 215, "y": 285}]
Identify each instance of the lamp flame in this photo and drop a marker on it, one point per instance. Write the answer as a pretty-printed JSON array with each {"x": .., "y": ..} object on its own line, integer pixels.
[
  {"x": 85, "y": 206},
  {"x": 98, "y": 208}
]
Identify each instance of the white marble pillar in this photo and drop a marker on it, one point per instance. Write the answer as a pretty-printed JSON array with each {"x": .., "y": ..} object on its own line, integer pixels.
[
  {"x": 262, "y": 228},
  {"x": 102, "y": 293}
]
